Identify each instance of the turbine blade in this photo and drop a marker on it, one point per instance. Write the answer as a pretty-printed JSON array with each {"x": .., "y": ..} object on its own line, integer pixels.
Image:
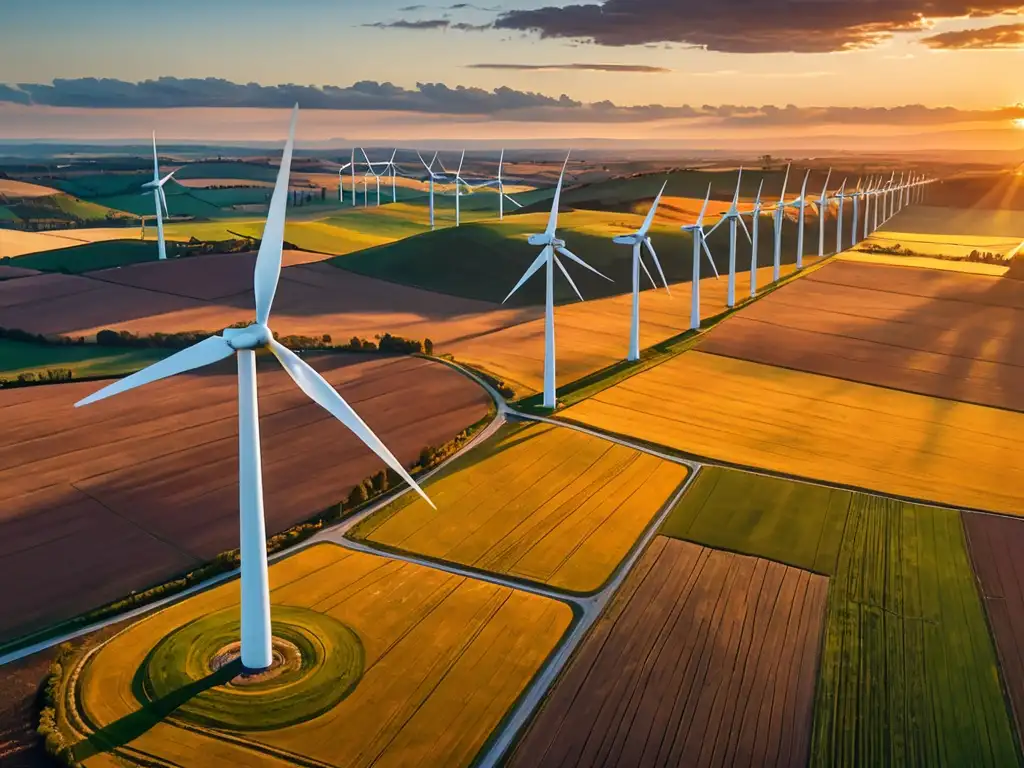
[
  {"x": 760, "y": 187},
  {"x": 537, "y": 264},
  {"x": 203, "y": 353},
  {"x": 661, "y": 272},
  {"x": 704, "y": 245},
  {"x": 501, "y": 162},
  {"x": 570, "y": 255},
  {"x": 745, "y": 230},
  {"x": 718, "y": 223},
  {"x": 462, "y": 159},
  {"x": 324, "y": 395},
  {"x": 736, "y": 194},
  {"x": 647, "y": 272},
  {"x": 785, "y": 183},
  {"x": 553, "y": 217},
  {"x": 422, "y": 160},
  {"x": 564, "y": 272},
  {"x": 156, "y": 163},
  {"x": 650, "y": 214},
  {"x": 516, "y": 203},
  {"x": 704, "y": 207},
  {"x": 163, "y": 199},
  {"x": 268, "y": 260}
]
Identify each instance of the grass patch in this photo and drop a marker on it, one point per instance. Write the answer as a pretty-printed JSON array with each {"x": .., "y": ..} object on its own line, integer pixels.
[
  {"x": 89, "y": 257},
  {"x": 18, "y": 358},
  {"x": 798, "y": 524},
  {"x": 908, "y": 672}
]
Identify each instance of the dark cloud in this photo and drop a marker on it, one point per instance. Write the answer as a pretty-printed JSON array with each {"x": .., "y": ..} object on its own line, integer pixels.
[
  {"x": 429, "y": 24},
  {"x": 410, "y": 8},
  {"x": 574, "y": 67},
  {"x": 439, "y": 99},
  {"x": 747, "y": 26},
  {"x": 1004, "y": 36}
]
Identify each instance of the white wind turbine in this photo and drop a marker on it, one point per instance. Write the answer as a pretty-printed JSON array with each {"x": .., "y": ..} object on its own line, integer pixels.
[
  {"x": 256, "y": 647},
  {"x": 696, "y": 230},
  {"x": 823, "y": 214},
  {"x": 855, "y": 196},
  {"x": 433, "y": 176},
  {"x": 550, "y": 242},
  {"x": 755, "y": 221},
  {"x": 376, "y": 176},
  {"x": 841, "y": 199},
  {"x": 734, "y": 218},
  {"x": 800, "y": 204},
  {"x": 157, "y": 185},
  {"x": 869, "y": 195},
  {"x": 341, "y": 184},
  {"x": 394, "y": 171},
  {"x": 638, "y": 238},
  {"x": 778, "y": 220},
  {"x": 458, "y": 187}
]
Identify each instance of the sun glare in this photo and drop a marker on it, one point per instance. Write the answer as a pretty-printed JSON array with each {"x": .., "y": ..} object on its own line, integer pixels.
[{"x": 1019, "y": 122}]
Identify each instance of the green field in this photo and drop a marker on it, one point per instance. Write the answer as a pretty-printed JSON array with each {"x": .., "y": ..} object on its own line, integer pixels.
[
  {"x": 6, "y": 214},
  {"x": 228, "y": 170},
  {"x": 798, "y": 524},
  {"x": 94, "y": 185},
  {"x": 908, "y": 671},
  {"x": 62, "y": 207},
  {"x": 18, "y": 357},
  {"x": 92, "y": 256}
]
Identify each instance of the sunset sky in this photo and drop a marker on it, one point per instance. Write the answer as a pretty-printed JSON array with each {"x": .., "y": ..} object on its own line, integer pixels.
[{"x": 850, "y": 72}]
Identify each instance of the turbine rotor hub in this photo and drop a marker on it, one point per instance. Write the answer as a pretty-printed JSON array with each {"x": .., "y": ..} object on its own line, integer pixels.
[
  {"x": 557, "y": 243},
  {"x": 255, "y": 336}
]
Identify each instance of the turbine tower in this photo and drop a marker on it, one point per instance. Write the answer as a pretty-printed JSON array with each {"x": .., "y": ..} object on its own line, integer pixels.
[
  {"x": 341, "y": 183},
  {"x": 376, "y": 176},
  {"x": 841, "y": 198},
  {"x": 157, "y": 185},
  {"x": 433, "y": 176},
  {"x": 869, "y": 195},
  {"x": 778, "y": 219},
  {"x": 823, "y": 215},
  {"x": 696, "y": 230},
  {"x": 733, "y": 217},
  {"x": 635, "y": 240},
  {"x": 256, "y": 649},
  {"x": 458, "y": 187},
  {"x": 800, "y": 204},
  {"x": 755, "y": 220},
  {"x": 550, "y": 243}
]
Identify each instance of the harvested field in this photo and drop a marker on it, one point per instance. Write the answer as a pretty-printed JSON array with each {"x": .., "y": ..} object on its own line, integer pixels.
[
  {"x": 444, "y": 658},
  {"x": 540, "y": 503},
  {"x": 798, "y": 524},
  {"x": 908, "y": 671},
  {"x": 312, "y": 299},
  {"x": 13, "y": 188},
  {"x": 595, "y": 334},
  {"x": 995, "y": 545},
  {"x": 956, "y": 223},
  {"x": 14, "y": 242},
  {"x": 821, "y": 428},
  {"x": 134, "y": 490},
  {"x": 8, "y": 272},
  {"x": 925, "y": 262},
  {"x": 705, "y": 658},
  {"x": 959, "y": 337}
]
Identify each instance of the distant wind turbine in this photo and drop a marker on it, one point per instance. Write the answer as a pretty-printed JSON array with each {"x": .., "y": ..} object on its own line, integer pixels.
[
  {"x": 823, "y": 214},
  {"x": 841, "y": 199},
  {"x": 755, "y": 221},
  {"x": 638, "y": 238},
  {"x": 157, "y": 185},
  {"x": 733, "y": 217},
  {"x": 341, "y": 184},
  {"x": 778, "y": 219},
  {"x": 550, "y": 243},
  {"x": 256, "y": 648},
  {"x": 800, "y": 204},
  {"x": 433, "y": 175},
  {"x": 696, "y": 230}
]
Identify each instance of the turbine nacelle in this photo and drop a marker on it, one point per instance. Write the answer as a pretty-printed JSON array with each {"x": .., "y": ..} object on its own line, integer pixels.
[
  {"x": 546, "y": 239},
  {"x": 627, "y": 239},
  {"x": 255, "y": 336}
]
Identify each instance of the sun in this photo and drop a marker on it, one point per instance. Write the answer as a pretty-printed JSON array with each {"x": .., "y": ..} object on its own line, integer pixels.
[{"x": 1019, "y": 123}]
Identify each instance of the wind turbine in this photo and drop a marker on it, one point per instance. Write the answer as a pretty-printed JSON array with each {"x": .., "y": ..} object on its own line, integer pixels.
[
  {"x": 822, "y": 215},
  {"x": 458, "y": 188},
  {"x": 157, "y": 185},
  {"x": 341, "y": 184},
  {"x": 433, "y": 175},
  {"x": 243, "y": 343},
  {"x": 869, "y": 193},
  {"x": 755, "y": 220},
  {"x": 376, "y": 175},
  {"x": 637, "y": 239},
  {"x": 801, "y": 204},
  {"x": 841, "y": 197},
  {"x": 500, "y": 183},
  {"x": 550, "y": 243},
  {"x": 394, "y": 186},
  {"x": 696, "y": 230},
  {"x": 733, "y": 217},
  {"x": 778, "y": 219}
]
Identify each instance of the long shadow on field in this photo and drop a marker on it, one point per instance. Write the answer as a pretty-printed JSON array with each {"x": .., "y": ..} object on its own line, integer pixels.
[{"x": 130, "y": 727}]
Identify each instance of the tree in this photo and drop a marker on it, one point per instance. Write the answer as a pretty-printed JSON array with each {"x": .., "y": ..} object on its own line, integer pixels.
[
  {"x": 766, "y": 162},
  {"x": 428, "y": 346},
  {"x": 358, "y": 496}
]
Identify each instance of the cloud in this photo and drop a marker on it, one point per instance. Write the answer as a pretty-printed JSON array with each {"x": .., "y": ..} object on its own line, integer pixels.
[
  {"x": 504, "y": 103},
  {"x": 574, "y": 67},
  {"x": 748, "y": 26},
  {"x": 422, "y": 24},
  {"x": 1004, "y": 36}
]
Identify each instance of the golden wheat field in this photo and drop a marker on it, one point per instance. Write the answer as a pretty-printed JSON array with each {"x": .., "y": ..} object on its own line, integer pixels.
[
  {"x": 926, "y": 262},
  {"x": 595, "y": 334},
  {"x": 542, "y": 503},
  {"x": 822, "y": 428},
  {"x": 444, "y": 658}
]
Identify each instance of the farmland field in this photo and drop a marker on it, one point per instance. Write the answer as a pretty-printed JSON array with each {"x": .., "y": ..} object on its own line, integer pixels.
[
  {"x": 936, "y": 333},
  {"x": 592, "y": 335},
  {"x": 705, "y": 658},
  {"x": 908, "y": 672},
  {"x": 132, "y": 491},
  {"x": 13, "y": 188},
  {"x": 18, "y": 357},
  {"x": 798, "y": 524},
  {"x": 541, "y": 503},
  {"x": 925, "y": 262},
  {"x": 820, "y": 428},
  {"x": 88, "y": 257},
  {"x": 995, "y": 543},
  {"x": 955, "y": 223},
  {"x": 444, "y": 657}
]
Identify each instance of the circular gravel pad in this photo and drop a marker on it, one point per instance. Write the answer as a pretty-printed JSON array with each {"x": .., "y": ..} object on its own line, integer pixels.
[{"x": 317, "y": 662}]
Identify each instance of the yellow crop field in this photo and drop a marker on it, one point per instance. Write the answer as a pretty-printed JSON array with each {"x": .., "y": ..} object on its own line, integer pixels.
[
  {"x": 443, "y": 659},
  {"x": 822, "y": 428},
  {"x": 18, "y": 189},
  {"x": 595, "y": 334},
  {"x": 17, "y": 243},
  {"x": 542, "y": 503},
  {"x": 926, "y": 262}
]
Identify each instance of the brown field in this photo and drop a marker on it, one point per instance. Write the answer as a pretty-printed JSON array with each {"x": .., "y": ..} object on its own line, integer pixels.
[
  {"x": 970, "y": 222},
  {"x": 818, "y": 427},
  {"x": 13, "y": 188},
  {"x": 312, "y": 299},
  {"x": 995, "y": 544},
  {"x": 926, "y": 262},
  {"x": 959, "y": 337},
  {"x": 130, "y": 491},
  {"x": 595, "y": 334},
  {"x": 17, "y": 243},
  {"x": 6, "y": 273},
  {"x": 706, "y": 658}
]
